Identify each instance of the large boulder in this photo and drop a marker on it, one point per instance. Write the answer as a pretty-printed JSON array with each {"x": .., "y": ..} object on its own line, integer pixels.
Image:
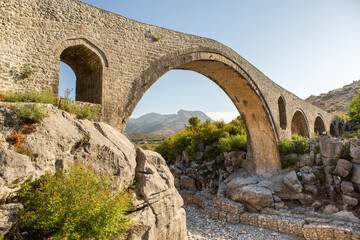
[
  {"x": 158, "y": 209},
  {"x": 8, "y": 217},
  {"x": 342, "y": 168},
  {"x": 255, "y": 196},
  {"x": 292, "y": 181},
  {"x": 330, "y": 147}
]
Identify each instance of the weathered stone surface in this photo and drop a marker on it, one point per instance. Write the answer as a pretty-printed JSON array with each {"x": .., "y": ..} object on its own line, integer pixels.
[
  {"x": 347, "y": 187},
  {"x": 316, "y": 205},
  {"x": 329, "y": 209},
  {"x": 356, "y": 174},
  {"x": 305, "y": 160},
  {"x": 342, "y": 168},
  {"x": 253, "y": 195},
  {"x": 330, "y": 147},
  {"x": 159, "y": 214},
  {"x": 15, "y": 169},
  {"x": 227, "y": 205},
  {"x": 311, "y": 188},
  {"x": 176, "y": 172},
  {"x": 345, "y": 214},
  {"x": 351, "y": 201},
  {"x": 308, "y": 178},
  {"x": 8, "y": 217},
  {"x": 187, "y": 183},
  {"x": 221, "y": 190},
  {"x": 355, "y": 148},
  {"x": 292, "y": 181}
]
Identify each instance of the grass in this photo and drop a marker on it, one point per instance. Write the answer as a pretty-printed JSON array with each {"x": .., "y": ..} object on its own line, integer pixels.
[{"x": 82, "y": 111}]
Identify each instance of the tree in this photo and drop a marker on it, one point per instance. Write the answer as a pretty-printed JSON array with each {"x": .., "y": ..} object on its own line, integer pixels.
[
  {"x": 194, "y": 122},
  {"x": 354, "y": 109}
]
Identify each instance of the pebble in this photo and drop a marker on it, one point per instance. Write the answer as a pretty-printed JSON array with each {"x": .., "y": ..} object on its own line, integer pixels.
[{"x": 201, "y": 227}]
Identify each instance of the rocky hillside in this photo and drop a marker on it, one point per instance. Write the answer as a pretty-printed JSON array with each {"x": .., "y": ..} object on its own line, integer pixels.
[
  {"x": 164, "y": 124},
  {"x": 336, "y": 101},
  {"x": 60, "y": 139}
]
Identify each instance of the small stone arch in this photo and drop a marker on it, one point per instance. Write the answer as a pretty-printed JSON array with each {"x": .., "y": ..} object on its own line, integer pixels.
[
  {"x": 319, "y": 126},
  {"x": 282, "y": 112},
  {"x": 299, "y": 124},
  {"x": 332, "y": 129},
  {"x": 87, "y": 62}
]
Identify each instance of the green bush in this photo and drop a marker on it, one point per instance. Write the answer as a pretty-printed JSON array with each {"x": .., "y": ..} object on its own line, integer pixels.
[
  {"x": 31, "y": 113},
  {"x": 79, "y": 204},
  {"x": 286, "y": 146},
  {"x": 302, "y": 144},
  {"x": 45, "y": 96},
  {"x": 87, "y": 112},
  {"x": 298, "y": 144},
  {"x": 218, "y": 137},
  {"x": 288, "y": 162},
  {"x": 354, "y": 109}
]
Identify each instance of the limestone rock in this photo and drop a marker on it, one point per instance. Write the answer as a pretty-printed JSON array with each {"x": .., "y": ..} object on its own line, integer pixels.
[
  {"x": 311, "y": 188},
  {"x": 347, "y": 187},
  {"x": 8, "y": 216},
  {"x": 351, "y": 201},
  {"x": 355, "y": 148},
  {"x": 345, "y": 214},
  {"x": 306, "y": 169},
  {"x": 330, "y": 209},
  {"x": 305, "y": 159},
  {"x": 330, "y": 147},
  {"x": 158, "y": 209},
  {"x": 308, "y": 178},
  {"x": 15, "y": 169},
  {"x": 292, "y": 181},
  {"x": 187, "y": 183},
  {"x": 253, "y": 195},
  {"x": 343, "y": 168},
  {"x": 176, "y": 172},
  {"x": 356, "y": 174},
  {"x": 316, "y": 205},
  {"x": 221, "y": 190}
]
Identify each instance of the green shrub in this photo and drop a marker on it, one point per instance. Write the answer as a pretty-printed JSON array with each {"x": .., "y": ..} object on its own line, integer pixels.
[
  {"x": 302, "y": 144},
  {"x": 218, "y": 137},
  {"x": 288, "y": 162},
  {"x": 33, "y": 113},
  {"x": 345, "y": 151},
  {"x": 79, "y": 204},
  {"x": 286, "y": 146},
  {"x": 45, "y": 96},
  {"x": 87, "y": 112}
]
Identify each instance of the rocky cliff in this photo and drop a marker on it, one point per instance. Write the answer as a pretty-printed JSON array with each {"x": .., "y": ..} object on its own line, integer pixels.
[{"x": 59, "y": 140}]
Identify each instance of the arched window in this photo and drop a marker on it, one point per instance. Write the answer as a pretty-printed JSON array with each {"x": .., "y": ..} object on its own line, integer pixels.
[
  {"x": 299, "y": 125},
  {"x": 282, "y": 112},
  {"x": 88, "y": 69},
  {"x": 319, "y": 126}
]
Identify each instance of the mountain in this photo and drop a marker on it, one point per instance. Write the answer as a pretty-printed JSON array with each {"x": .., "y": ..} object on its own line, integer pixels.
[
  {"x": 166, "y": 124},
  {"x": 336, "y": 101}
]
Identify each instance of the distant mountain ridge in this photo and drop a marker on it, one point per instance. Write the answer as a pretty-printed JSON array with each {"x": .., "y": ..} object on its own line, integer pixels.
[
  {"x": 166, "y": 124},
  {"x": 336, "y": 101}
]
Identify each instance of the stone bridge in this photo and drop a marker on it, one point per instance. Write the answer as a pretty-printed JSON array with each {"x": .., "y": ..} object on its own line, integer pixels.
[{"x": 116, "y": 60}]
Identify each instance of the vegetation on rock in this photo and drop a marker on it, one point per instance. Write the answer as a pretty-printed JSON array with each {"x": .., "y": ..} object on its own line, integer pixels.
[
  {"x": 79, "y": 204},
  {"x": 218, "y": 137},
  {"x": 36, "y": 113}
]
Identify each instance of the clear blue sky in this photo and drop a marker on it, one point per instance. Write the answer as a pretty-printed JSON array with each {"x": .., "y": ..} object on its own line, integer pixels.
[{"x": 306, "y": 46}]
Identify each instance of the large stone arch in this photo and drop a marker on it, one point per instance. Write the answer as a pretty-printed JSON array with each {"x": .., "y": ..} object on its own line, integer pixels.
[
  {"x": 319, "y": 125},
  {"x": 238, "y": 85},
  {"x": 299, "y": 124},
  {"x": 88, "y": 62}
]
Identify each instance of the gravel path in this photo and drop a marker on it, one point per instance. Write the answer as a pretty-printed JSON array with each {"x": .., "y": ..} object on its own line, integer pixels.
[{"x": 201, "y": 227}]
